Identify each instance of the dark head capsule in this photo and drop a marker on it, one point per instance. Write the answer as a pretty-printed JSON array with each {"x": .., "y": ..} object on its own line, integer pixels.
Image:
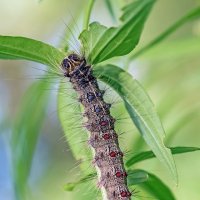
[{"x": 70, "y": 63}]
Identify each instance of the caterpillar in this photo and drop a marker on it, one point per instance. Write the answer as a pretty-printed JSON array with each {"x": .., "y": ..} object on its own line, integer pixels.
[{"x": 108, "y": 157}]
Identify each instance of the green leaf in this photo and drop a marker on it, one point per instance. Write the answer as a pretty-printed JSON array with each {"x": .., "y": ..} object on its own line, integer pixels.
[
  {"x": 140, "y": 109},
  {"x": 25, "y": 133},
  {"x": 104, "y": 43},
  {"x": 136, "y": 176},
  {"x": 194, "y": 14},
  {"x": 29, "y": 49},
  {"x": 149, "y": 154},
  {"x": 90, "y": 37},
  {"x": 157, "y": 188},
  {"x": 71, "y": 120}
]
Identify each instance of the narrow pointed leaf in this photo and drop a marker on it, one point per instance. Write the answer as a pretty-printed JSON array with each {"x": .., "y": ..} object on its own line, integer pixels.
[
  {"x": 149, "y": 154},
  {"x": 103, "y": 43},
  {"x": 176, "y": 49},
  {"x": 157, "y": 188},
  {"x": 140, "y": 109},
  {"x": 29, "y": 49},
  {"x": 136, "y": 177},
  {"x": 194, "y": 14},
  {"x": 25, "y": 133}
]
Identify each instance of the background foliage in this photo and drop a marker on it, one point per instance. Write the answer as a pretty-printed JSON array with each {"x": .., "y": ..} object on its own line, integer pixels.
[{"x": 169, "y": 72}]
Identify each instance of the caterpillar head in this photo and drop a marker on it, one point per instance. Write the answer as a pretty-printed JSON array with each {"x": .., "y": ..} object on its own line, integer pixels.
[{"x": 70, "y": 63}]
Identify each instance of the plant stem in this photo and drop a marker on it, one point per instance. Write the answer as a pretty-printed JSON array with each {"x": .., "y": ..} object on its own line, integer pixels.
[
  {"x": 88, "y": 14},
  {"x": 110, "y": 9}
]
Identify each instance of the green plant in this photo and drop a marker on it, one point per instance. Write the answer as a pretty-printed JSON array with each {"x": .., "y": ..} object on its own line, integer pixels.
[{"x": 112, "y": 42}]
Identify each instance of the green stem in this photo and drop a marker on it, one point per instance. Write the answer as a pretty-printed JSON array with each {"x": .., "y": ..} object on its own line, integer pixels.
[
  {"x": 88, "y": 13},
  {"x": 190, "y": 16},
  {"x": 110, "y": 9}
]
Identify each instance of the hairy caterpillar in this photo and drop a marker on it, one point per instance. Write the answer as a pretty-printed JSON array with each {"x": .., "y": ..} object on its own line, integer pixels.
[{"x": 108, "y": 158}]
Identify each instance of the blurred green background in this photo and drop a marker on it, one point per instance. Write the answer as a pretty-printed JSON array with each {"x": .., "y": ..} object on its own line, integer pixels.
[{"x": 170, "y": 73}]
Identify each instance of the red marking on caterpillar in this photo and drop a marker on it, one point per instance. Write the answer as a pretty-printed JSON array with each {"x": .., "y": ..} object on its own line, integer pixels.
[
  {"x": 125, "y": 194},
  {"x": 113, "y": 154},
  {"x": 103, "y": 139},
  {"x": 106, "y": 136},
  {"x": 104, "y": 123}
]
